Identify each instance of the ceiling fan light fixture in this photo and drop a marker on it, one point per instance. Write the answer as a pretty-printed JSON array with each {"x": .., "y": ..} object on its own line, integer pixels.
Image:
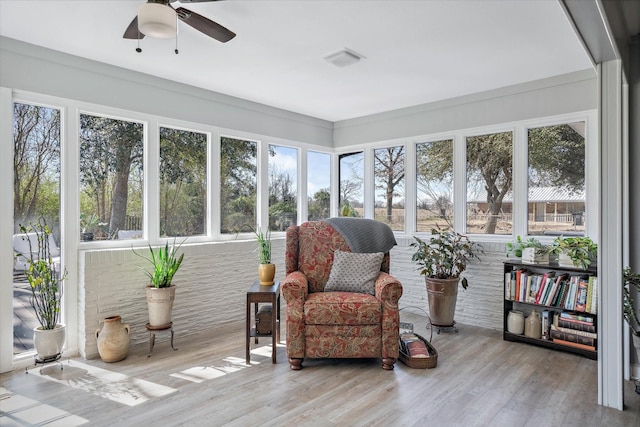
[{"x": 157, "y": 20}]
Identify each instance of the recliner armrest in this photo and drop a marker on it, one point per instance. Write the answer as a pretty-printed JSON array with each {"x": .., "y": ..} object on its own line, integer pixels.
[
  {"x": 295, "y": 288},
  {"x": 388, "y": 289}
]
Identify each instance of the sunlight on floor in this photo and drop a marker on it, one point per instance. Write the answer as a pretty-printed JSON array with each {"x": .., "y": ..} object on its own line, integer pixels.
[
  {"x": 19, "y": 410},
  {"x": 101, "y": 382},
  {"x": 233, "y": 364}
]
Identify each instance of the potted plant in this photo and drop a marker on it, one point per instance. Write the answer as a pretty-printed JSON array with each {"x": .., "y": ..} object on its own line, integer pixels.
[
  {"x": 266, "y": 270},
  {"x": 165, "y": 262},
  {"x": 441, "y": 260},
  {"x": 631, "y": 283},
  {"x": 88, "y": 223},
  {"x": 575, "y": 251},
  {"x": 531, "y": 250},
  {"x": 46, "y": 282}
]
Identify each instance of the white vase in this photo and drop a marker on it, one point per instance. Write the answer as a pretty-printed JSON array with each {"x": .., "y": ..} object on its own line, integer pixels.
[
  {"x": 49, "y": 342},
  {"x": 515, "y": 322},
  {"x": 160, "y": 304}
]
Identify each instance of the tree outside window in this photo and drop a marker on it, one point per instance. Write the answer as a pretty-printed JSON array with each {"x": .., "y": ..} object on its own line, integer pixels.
[
  {"x": 389, "y": 183},
  {"x": 183, "y": 182},
  {"x": 434, "y": 185},
  {"x": 318, "y": 185},
  {"x": 283, "y": 173},
  {"x": 489, "y": 181},
  {"x": 238, "y": 185},
  {"x": 111, "y": 181},
  {"x": 556, "y": 196},
  {"x": 351, "y": 177}
]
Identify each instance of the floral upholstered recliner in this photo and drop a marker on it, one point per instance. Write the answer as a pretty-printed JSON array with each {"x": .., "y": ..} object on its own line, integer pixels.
[{"x": 336, "y": 324}]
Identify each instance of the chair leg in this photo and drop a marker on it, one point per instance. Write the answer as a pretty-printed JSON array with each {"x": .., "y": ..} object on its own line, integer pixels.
[
  {"x": 388, "y": 362},
  {"x": 296, "y": 363}
]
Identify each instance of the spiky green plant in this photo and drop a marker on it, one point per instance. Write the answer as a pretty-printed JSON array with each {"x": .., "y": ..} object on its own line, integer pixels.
[
  {"x": 45, "y": 280},
  {"x": 165, "y": 263},
  {"x": 264, "y": 245}
]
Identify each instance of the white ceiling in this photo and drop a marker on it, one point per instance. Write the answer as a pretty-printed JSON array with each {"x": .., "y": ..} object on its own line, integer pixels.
[{"x": 416, "y": 51}]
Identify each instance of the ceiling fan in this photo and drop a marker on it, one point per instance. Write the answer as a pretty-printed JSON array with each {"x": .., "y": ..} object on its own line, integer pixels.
[{"x": 157, "y": 18}]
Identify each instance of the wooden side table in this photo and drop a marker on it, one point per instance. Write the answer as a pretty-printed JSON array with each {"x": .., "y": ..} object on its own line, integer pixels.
[{"x": 256, "y": 294}]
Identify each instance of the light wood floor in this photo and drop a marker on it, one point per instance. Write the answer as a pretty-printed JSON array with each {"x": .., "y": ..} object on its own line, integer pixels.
[{"x": 480, "y": 380}]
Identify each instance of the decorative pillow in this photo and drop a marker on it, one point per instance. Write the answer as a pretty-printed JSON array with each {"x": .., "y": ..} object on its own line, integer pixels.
[{"x": 354, "y": 272}]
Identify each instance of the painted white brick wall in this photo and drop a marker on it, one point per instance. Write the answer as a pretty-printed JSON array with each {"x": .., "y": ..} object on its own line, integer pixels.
[
  {"x": 481, "y": 304},
  {"x": 212, "y": 284},
  {"x": 211, "y": 289}
]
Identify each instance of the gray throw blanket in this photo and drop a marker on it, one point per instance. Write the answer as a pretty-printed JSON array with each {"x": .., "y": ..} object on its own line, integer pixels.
[{"x": 364, "y": 235}]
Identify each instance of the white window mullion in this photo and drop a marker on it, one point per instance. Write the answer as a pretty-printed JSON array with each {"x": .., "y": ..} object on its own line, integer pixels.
[
  {"x": 520, "y": 174},
  {"x": 152, "y": 180}
]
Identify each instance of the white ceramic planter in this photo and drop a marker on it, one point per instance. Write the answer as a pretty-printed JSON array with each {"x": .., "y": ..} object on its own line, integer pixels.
[
  {"x": 49, "y": 342},
  {"x": 529, "y": 256}
]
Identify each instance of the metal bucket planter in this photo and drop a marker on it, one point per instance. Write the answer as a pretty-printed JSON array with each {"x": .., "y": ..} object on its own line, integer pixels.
[
  {"x": 442, "y": 295},
  {"x": 160, "y": 304}
]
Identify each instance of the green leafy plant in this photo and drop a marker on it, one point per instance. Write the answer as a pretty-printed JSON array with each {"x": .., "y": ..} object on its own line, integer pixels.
[
  {"x": 165, "y": 263},
  {"x": 630, "y": 282},
  {"x": 88, "y": 222},
  {"x": 45, "y": 280},
  {"x": 582, "y": 250},
  {"x": 264, "y": 245},
  {"x": 445, "y": 255},
  {"x": 516, "y": 247}
]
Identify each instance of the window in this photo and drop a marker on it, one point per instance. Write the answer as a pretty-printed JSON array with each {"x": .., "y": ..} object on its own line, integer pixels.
[
  {"x": 283, "y": 195},
  {"x": 389, "y": 183},
  {"x": 351, "y": 176},
  {"x": 111, "y": 190},
  {"x": 36, "y": 195},
  {"x": 318, "y": 185},
  {"x": 238, "y": 185},
  {"x": 183, "y": 182},
  {"x": 556, "y": 203},
  {"x": 489, "y": 183},
  {"x": 434, "y": 185}
]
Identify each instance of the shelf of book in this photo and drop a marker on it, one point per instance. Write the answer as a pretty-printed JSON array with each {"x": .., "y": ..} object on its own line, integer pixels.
[{"x": 566, "y": 299}]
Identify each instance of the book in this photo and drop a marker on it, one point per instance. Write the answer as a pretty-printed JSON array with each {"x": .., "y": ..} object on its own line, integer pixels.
[
  {"x": 574, "y": 344},
  {"x": 546, "y": 323},
  {"x": 543, "y": 284},
  {"x": 554, "y": 289},
  {"x": 507, "y": 285},
  {"x": 572, "y": 337},
  {"x": 594, "y": 297},
  {"x": 578, "y": 326},
  {"x": 581, "y": 296},
  {"x": 577, "y": 317},
  {"x": 577, "y": 332},
  {"x": 589, "y": 294}
]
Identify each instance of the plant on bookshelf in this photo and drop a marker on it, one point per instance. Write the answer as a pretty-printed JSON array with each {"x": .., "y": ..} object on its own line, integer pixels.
[
  {"x": 578, "y": 252},
  {"x": 530, "y": 250}
]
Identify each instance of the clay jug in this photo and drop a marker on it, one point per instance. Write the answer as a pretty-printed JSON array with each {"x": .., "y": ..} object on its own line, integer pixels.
[
  {"x": 113, "y": 339},
  {"x": 515, "y": 322},
  {"x": 533, "y": 325}
]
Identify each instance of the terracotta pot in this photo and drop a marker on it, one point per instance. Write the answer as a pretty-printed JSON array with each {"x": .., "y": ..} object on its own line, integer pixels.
[
  {"x": 160, "y": 305},
  {"x": 442, "y": 295},
  {"x": 49, "y": 342},
  {"x": 266, "y": 273},
  {"x": 113, "y": 339}
]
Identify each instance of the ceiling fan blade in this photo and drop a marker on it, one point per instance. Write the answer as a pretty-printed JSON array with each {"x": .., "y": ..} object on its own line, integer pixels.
[
  {"x": 195, "y": 1},
  {"x": 132, "y": 31},
  {"x": 205, "y": 25}
]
